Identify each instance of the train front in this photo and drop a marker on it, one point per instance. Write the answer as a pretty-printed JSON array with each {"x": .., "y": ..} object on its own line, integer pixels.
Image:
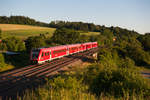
[{"x": 34, "y": 56}]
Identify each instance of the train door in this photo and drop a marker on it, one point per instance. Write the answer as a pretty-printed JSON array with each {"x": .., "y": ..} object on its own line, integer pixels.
[
  {"x": 46, "y": 55},
  {"x": 42, "y": 56},
  {"x": 50, "y": 56},
  {"x": 67, "y": 50}
]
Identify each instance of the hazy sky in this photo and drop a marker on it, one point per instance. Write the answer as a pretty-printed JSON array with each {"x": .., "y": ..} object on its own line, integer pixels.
[{"x": 130, "y": 14}]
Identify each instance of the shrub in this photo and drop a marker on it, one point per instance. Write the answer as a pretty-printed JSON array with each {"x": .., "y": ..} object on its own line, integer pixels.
[
  {"x": 60, "y": 88},
  {"x": 138, "y": 55},
  {"x": 0, "y": 33},
  {"x": 2, "y": 60},
  {"x": 117, "y": 82},
  {"x": 65, "y": 36},
  {"x": 35, "y": 42},
  {"x": 13, "y": 44}
]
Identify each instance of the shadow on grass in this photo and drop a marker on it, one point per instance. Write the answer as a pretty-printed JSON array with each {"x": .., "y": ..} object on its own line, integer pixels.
[{"x": 18, "y": 60}]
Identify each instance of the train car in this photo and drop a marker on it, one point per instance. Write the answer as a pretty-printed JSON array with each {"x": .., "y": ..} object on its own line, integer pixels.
[
  {"x": 34, "y": 55},
  {"x": 88, "y": 45},
  {"x": 94, "y": 44},
  {"x": 74, "y": 48},
  {"x": 41, "y": 55},
  {"x": 83, "y": 47},
  {"x": 59, "y": 51}
]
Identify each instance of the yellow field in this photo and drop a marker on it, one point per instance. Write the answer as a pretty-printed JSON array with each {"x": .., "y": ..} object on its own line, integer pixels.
[
  {"x": 24, "y": 31},
  {"x": 11, "y": 27}
]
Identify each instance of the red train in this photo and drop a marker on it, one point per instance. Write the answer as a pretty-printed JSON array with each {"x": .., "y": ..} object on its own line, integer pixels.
[{"x": 41, "y": 55}]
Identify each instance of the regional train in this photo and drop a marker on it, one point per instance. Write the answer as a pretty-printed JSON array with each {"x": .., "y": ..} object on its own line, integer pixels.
[{"x": 41, "y": 55}]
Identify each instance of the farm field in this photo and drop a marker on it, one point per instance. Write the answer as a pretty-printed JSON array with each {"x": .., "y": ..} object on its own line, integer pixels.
[{"x": 24, "y": 31}]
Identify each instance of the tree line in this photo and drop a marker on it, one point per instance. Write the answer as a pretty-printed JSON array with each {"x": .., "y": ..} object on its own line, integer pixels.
[
  {"x": 63, "y": 24},
  {"x": 21, "y": 20}
]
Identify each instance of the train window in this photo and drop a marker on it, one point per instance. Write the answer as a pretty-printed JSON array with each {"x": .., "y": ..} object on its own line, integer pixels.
[
  {"x": 35, "y": 53},
  {"x": 59, "y": 51},
  {"x": 42, "y": 54},
  {"x": 47, "y": 54},
  {"x": 74, "y": 48}
]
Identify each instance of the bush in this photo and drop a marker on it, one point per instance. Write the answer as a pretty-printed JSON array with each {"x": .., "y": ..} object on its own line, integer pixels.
[
  {"x": 2, "y": 60},
  {"x": 115, "y": 74},
  {"x": 117, "y": 82},
  {"x": 0, "y": 33},
  {"x": 65, "y": 36},
  {"x": 140, "y": 56},
  {"x": 13, "y": 44},
  {"x": 35, "y": 42},
  {"x": 60, "y": 88}
]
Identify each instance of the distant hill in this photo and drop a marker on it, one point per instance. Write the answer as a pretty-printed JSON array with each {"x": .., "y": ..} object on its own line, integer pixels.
[
  {"x": 24, "y": 31},
  {"x": 80, "y": 26}
]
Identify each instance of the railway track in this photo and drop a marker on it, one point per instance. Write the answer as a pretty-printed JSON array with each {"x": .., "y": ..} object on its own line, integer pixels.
[{"x": 18, "y": 80}]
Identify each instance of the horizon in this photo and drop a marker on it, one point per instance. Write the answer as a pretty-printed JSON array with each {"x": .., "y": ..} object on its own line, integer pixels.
[{"x": 131, "y": 15}]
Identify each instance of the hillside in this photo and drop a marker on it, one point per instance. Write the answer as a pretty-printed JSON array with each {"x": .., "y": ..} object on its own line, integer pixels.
[{"x": 23, "y": 31}]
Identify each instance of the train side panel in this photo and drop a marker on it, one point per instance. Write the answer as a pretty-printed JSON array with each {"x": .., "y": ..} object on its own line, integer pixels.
[
  {"x": 58, "y": 52},
  {"x": 88, "y": 45},
  {"x": 74, "y": 48},
  {"x": 94, "y": 44}
]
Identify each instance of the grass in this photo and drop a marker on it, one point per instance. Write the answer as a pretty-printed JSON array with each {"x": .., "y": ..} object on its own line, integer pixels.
[
  {"x": 24, "y": 31},
  {"x": 90, "y": 33},
  {"x": 6, "y": 68}
]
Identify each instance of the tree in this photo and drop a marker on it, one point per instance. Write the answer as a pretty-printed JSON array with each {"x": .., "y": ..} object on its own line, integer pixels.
[
  {"x": 65, "y": 36},
  {"x": 13, "y": 44},
  {"x": 2, "y": 61},
  {"x": 34, "y": 42},
  {"x": 0, "y": 33},
  {"x": 145, "y": 40}
]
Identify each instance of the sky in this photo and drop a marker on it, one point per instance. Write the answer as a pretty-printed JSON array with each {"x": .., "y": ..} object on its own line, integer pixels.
[{"x": 129, "y": 14}]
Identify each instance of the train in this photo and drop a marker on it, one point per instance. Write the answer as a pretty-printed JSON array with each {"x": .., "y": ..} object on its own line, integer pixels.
[{"x": 41, "y": 55}]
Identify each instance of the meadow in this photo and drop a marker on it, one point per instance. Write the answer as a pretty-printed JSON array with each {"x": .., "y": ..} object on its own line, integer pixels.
[{"x": 24, "y": 31}]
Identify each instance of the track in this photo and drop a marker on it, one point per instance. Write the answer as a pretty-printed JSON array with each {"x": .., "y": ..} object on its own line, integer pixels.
[{"x": 18, "y": 80}]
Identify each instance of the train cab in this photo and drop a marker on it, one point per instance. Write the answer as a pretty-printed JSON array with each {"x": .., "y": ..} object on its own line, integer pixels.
[{"x": 34, "y": 55}]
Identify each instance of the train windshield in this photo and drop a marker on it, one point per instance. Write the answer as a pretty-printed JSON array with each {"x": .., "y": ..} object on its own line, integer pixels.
[{"x": 35, "y": 54}]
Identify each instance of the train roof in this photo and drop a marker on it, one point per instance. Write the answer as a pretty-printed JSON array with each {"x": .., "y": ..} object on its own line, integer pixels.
[
  {"x": 72, "y": 45},
  {"x": 63, "y": 46},
  {"x": 94, "y": 42},
  {"x": 87, "y": 43}
]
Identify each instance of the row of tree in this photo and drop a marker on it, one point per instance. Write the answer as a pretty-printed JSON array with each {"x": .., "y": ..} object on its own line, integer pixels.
[
  {"x": 21, "y": 20},
  {"x": 63, "y": 24}
]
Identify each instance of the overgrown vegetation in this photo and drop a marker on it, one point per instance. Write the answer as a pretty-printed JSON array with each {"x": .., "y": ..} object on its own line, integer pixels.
[
  {"x": 0, "y": 33},
  {"x": 12, "y": 44},
  {"x": 113, "y": 76},
  {"x": 2, "y": 60}
]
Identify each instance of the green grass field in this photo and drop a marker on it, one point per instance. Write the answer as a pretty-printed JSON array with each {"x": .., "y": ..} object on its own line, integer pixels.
[
  {"x": 24, "y": 31},
  {"x": 90, "y": 33}
]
